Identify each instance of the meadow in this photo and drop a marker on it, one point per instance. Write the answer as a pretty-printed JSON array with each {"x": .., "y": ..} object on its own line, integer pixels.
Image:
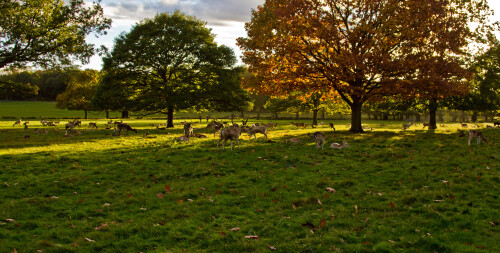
[{"x": 391, "y": 191}]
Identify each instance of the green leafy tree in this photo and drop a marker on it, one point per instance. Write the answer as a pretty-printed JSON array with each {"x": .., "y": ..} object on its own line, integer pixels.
[
  {"x": 46, "y": 32},
  {"x": 81, "y": 89},
  {"x": 171, "y": 62}
]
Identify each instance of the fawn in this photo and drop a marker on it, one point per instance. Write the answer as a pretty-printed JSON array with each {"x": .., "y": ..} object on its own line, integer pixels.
[{"x": 478, "y": 135}]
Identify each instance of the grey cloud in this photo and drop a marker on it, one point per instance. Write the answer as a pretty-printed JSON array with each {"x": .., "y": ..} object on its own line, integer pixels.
[{"x": 215, "y": 12}]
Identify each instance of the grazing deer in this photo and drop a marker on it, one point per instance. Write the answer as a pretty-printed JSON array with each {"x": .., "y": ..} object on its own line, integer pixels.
[
  {"x": 125, "y": 126},
  {"x": 26, "y": 124},
  {"x": 340, "y": 146},
  {"x": 93, "y": 125},
  {"x": 331, "y": 126},
  {"x": 367, "y": 128},
  {"x": 426, "y": 125},
  {"x": 230, "y": 133},
  {"x": 478, "y": 135},
  {"x": 320, "y": 139},
  {"x": 254, "y": 130},
  {"x": 406, "y": 126},
  {"x": 496, "y": 123},
  {"x": 117, "y": 122},
  {"x": 463, "y": 125},
  {"x": 17, "y": 122},
  {"x": 303, "y": 125}
]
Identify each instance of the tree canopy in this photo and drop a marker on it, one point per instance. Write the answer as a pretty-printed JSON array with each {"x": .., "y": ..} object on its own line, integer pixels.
[
  {"x": 172, "y": 62},
  {"x": 48, "y": 32},
  {"x": 361, "y": 50},
  {"x": 80, "y": 90}
]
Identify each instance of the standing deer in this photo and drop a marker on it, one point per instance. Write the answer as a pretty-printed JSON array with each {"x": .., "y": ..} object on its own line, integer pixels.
[
  {"x": 215, "y": 126},
  {"x": 478, "y": 135},
  {"x": 331, "y": 126},
  {"x": 320, "y": 139},
  {"x": 188, "y": 130},
  {"x": 93, "y": 125},
  {"x": 231, "y": 133},
  {"x": 426, "y": 125},
  {"x": 254, "y": 130}
]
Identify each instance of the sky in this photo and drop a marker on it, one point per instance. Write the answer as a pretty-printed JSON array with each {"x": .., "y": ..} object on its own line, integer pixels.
[{"x": 226, "y": 18}]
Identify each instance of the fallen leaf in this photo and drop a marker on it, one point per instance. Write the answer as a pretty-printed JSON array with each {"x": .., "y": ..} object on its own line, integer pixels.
[
  {"x": 89, "y": 240},
  {"x": 308, "y": 224},
  {"x": 272, "y": 247},
  {"x": 74, "y": 245},
  {"x": 180, "y": 200},
  {"x": 294, "y": 207},
  {"x": 356, "y": 209},
  {"x": 391, "y": 205},
  {"x": 235, "y": 229},
  {"x": 252, "y": 237},
  {"x": 159, "y": 195},
  {"x": 101, "y": 227},
  {"x": 168, "y": 189},
  {"x": 319, "y": 202},
  {"x": 223, "y": 233},
  {"x": 322, "y": 223},
  {"x": 329, "y": 189},
  {"x": 10, "y": 220},
  {"x": 107, "y": 204}
]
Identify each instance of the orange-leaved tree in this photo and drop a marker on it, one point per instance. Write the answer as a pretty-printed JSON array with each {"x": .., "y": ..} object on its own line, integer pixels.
[{"x": 361, "y": 49}]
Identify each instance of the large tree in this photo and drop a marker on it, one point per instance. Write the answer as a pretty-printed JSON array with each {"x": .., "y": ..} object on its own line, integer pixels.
[
  {"x": 47, "y": 32},
  {"x": 361, "y": 49},
  {"x": 172, "y": 62},
  {"x": 80, "y": 90}
]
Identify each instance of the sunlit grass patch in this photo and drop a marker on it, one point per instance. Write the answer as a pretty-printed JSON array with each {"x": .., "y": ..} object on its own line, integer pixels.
[{"x": 392, "y": 190}]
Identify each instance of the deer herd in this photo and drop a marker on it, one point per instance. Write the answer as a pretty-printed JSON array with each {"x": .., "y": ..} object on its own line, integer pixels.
[{"x": 231, "y": 133}]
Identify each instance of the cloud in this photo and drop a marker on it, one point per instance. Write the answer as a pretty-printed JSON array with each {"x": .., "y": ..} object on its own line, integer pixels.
[{"x": 215, "y": 12}]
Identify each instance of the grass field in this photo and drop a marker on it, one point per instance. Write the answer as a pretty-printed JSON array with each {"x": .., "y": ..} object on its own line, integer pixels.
[{"x": 391, "y": 191}]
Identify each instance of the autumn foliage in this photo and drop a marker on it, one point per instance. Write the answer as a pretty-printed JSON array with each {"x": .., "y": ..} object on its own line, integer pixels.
[{"x": 361, "y": 50}]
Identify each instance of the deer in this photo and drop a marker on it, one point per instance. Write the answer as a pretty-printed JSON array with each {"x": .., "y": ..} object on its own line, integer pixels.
[
  {"x": 303, "y": 125},
  {"x": 231, "y": 133},
  {"x": 188, "y": 130},
  {"x": 496, "y": 123},
  {"x": 270, "y": 125},
  {"x": 320, "y": 139},
  {"x": 463, "y": 125},
  {"x": 70, "y": 125},
  {"x": 18, "y": 122},
  {"x": 426, "y": 125},
  {"x": 331, "y": 126},
  {"x": 125, "y": 126},
  {"x": 478, "y": 135},
  {"x": 340, "y": 146},
  {"x": 254, "y": 130},
  {"x": 26, "y": 124},
  {"x": 406, "y": 126},
  {"x": 93, "y": 125},
  {"x": 215, "y": 126}
]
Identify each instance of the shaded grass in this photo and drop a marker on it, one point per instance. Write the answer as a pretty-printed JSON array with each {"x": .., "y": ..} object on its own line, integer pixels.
[{"x": 413, "y": 191}]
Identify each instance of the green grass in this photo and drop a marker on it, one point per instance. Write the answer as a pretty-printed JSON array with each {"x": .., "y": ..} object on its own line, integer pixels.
[{"x": 412, "y": 191}]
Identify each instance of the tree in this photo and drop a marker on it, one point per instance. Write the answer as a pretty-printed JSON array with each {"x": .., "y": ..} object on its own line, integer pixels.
[
  {"x": 361, "y": 50},
  {"x": 81, "y": 89},
  {"x": 171, "y": 62},
  {"x": 46, "y": 32}
]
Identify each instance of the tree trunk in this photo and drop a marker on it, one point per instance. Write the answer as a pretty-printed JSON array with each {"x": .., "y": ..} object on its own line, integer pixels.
[
  {"x": 125, "y": 115},
  {"x": 385, "y": 116},
  {"x": 170, "y": 117},
  {"x": 432, "y": 114},
  {"x": 296, "y": 115},
  {"x": 474, "y": 116},
  {"x": 315, "y": 117},
  {"x": 86, "y": 114},
  {"x": 417, "y": 117},
  {"x": 356, "y": 117},
  {"x": 323, "y": 114},
  {"x": 107, "y": 114}
]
